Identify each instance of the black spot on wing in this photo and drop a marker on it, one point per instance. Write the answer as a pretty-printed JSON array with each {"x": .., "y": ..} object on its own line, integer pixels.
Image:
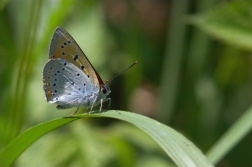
[{"x": 75, "y": 57}]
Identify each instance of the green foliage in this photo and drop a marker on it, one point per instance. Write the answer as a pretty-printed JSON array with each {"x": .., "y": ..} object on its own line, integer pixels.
[
  {"x": 241, "y": 128},
  {"x": 229, "y": 23},
  {"x": 184, "y": 78},
  {"x": 181, "y": 150}
]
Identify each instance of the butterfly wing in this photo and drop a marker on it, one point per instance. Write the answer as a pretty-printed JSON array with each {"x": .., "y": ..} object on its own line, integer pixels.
[
  {"x": 64, "y": 46},
  {"x": 66, "y": 84}
]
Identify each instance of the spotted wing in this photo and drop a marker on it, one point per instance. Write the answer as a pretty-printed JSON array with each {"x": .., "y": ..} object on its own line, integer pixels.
[
  {"x": 66, "y": 84},
  {"x": 64, "y": 46}
]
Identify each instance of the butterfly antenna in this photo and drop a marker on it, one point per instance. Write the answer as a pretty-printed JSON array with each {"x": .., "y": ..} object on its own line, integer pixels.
[{"x": 121, "y": 72}]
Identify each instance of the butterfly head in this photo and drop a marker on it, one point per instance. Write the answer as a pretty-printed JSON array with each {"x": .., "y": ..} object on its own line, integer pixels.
[{"x": 105, "y": 91}]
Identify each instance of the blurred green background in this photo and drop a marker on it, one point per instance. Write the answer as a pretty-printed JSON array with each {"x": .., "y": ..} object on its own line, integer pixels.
[{"x": 194, "y": 74}]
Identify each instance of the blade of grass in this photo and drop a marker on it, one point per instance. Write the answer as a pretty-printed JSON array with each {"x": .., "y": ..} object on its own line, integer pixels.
[
  {"x": 179, "y": 149},
  {"x": 172, "y": 62},
  {"x": 237, "y": 132},
  {"x": 228, "y": 22}
]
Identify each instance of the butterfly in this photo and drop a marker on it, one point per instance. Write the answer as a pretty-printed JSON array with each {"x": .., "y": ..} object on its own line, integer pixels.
[{"x": 69, "y": 79}]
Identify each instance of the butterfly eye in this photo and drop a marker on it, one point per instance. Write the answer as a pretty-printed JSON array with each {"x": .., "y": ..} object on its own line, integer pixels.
[{"x": 104, "y": 91}]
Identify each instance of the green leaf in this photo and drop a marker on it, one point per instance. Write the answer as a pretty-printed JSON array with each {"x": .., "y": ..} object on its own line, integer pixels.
[
  {"x": 235, "y": 134},
  {"x": 229, "y": 23},
  {"x": 178, "y": 148}
]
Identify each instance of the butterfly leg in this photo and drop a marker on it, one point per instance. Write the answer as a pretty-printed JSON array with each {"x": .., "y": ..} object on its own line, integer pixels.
[
  {"x": 101, "y": 106},
  {"x": 91, "y": 108},
  {"x": 74, "y": 112},
  {"x": 109, "y": 99},
  {"x": 90, "y": 111}
]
